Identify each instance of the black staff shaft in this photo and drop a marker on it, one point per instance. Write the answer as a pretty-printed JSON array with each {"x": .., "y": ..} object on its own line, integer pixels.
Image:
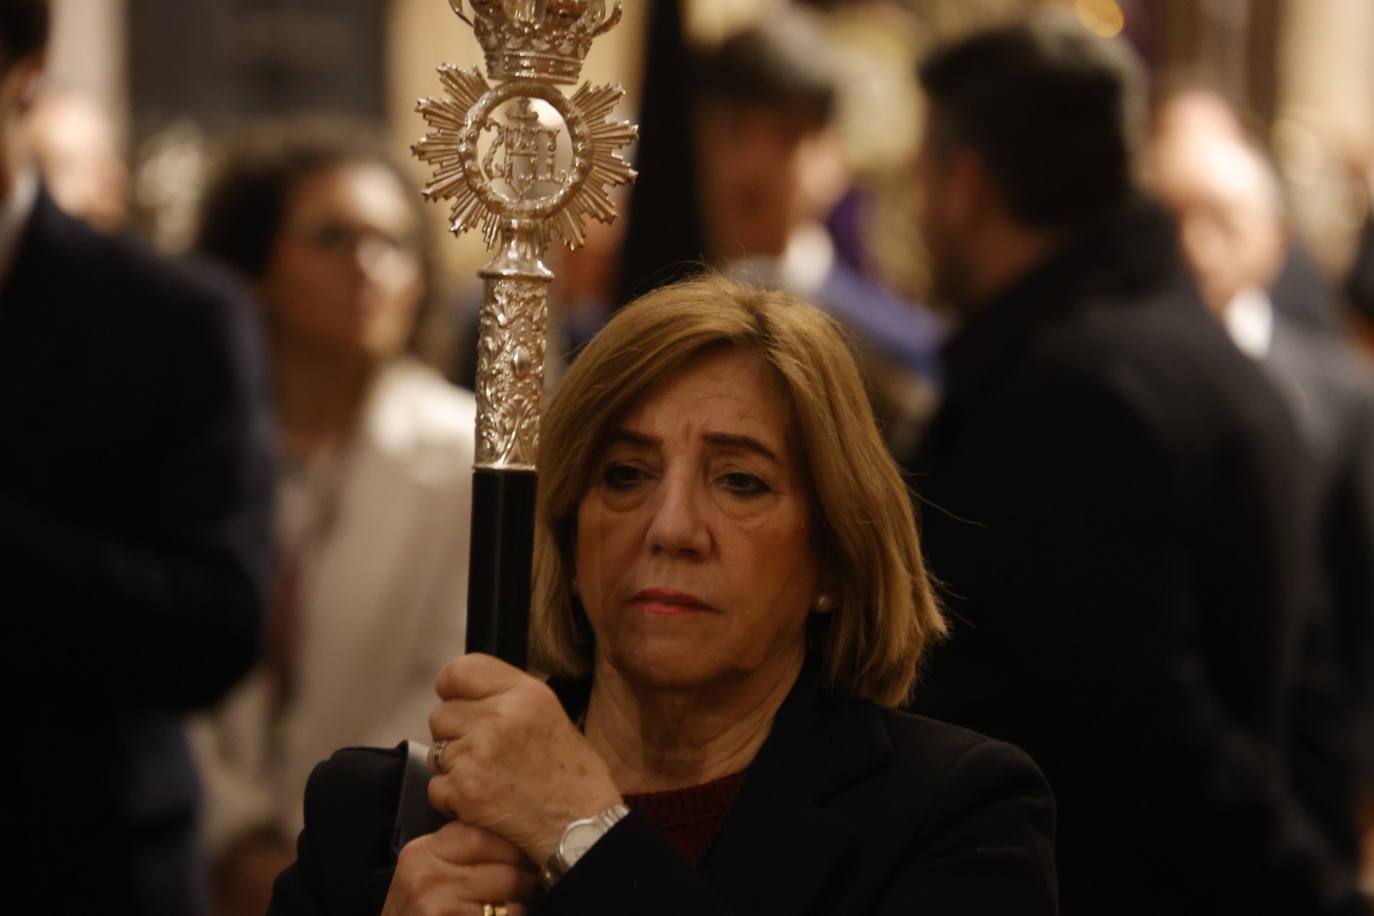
[{"x": 502, "y": 551}]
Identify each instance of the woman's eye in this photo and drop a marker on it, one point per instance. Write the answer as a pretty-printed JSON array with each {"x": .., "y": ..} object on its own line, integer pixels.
[
  {"x": 742, "y": 484},
  {"x": 622, "y": 476},
  {"x": 332, "y": 237}
]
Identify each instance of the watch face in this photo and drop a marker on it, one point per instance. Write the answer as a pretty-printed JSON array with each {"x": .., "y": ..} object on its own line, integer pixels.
[{"x": 578, "y": 840}]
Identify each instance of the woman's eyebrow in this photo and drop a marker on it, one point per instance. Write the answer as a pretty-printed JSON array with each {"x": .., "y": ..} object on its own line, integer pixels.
[
  {"x": 630, "y": 437},
  {"x": 729, "y": 440},
  {"x": 748, "y": 443}
]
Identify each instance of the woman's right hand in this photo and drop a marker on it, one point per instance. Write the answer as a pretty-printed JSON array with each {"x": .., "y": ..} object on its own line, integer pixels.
[{"x": 455, "y": 871}]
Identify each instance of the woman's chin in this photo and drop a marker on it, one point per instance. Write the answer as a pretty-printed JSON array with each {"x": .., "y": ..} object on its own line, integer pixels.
[{"x": 664, "y": 665}]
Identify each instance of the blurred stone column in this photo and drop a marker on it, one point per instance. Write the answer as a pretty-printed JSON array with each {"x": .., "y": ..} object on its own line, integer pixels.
[
  {"x": 1325, "y": 124},
  {"x": 1226, "y": 45},
  {"x": 87, "y": 55}
]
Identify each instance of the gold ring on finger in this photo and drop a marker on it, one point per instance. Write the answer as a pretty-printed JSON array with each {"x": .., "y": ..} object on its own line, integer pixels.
[{"x": 437, "y": 757}]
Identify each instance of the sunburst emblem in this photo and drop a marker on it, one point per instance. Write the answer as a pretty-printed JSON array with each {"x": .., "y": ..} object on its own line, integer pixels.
[{"x": 519, "y": 176}]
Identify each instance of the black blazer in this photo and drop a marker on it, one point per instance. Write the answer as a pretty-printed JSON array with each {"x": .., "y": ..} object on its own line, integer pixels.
[
  {"x": 1115, "y": 501},
  {"x": 1332, "y": 394},
  {"x": 135, "y": 482},
  {"x": 848, "y": 808}
]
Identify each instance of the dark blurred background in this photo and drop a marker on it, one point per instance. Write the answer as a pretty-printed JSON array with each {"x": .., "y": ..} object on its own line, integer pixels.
[{"x": 174, "y": 76}]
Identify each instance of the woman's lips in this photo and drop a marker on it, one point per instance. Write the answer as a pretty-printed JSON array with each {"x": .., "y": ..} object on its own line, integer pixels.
[{"x": 667, "y": 601}]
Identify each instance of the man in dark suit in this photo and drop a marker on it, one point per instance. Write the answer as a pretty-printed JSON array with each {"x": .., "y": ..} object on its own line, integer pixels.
[
  {"x": 134, "y": 530},
  {"x": 1229, "y": 203},
  {"x": 1113, "y": 496}
]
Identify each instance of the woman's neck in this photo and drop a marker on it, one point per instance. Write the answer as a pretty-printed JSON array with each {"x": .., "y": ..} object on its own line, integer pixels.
[
  {"x": 318, "y": 396},
  {"x": 655, "y": 740}
]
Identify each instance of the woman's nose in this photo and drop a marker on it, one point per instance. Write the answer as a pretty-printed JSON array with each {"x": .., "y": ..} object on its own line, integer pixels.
[
  {"x": 678, "y": 525},
  {"x": 373, "y": 257}
]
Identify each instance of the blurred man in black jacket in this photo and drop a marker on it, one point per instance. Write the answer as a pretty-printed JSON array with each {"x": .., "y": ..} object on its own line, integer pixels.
[
  {"x": 134, "y": 512},
  {"x": 1114, "y": 499},
  {"x": 1230, "y": 208}
]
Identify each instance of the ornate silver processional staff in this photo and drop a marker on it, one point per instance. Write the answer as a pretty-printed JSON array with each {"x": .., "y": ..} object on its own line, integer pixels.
[{"x": 527, "y": 164}]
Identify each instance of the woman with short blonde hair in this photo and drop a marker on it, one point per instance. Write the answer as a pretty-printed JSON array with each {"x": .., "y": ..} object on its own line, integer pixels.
[
  {"x": 885, "y": 613},
  {"x": 730, "y": 595}
]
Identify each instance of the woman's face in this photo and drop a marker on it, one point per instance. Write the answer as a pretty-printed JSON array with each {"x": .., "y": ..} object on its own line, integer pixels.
[
  {"x": 694, "y": 549},
  {"x": 345, "y": 275}
]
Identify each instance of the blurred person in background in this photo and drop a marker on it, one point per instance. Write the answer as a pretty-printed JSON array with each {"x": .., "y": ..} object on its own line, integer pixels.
[
  {"x": 770, "y": 168},
  {"x": 763, "y": 150},
  {"x": 78, "y": 156},
  {"x": 1298, "y": 289},
  {"x": 1115, "y": 499},
  {"x": 372, "y": 528},
  {"x": 1234, "y": 234},
  {"x": 1359, "y": 284},
  {"x": 135, "y": 504}
]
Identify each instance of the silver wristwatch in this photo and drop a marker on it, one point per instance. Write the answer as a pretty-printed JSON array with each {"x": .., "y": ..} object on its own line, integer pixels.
[{"x": 578, "y": 837}]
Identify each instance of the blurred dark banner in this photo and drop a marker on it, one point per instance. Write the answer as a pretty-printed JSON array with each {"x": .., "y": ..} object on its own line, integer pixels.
[
  {"x": 223, "y": 61},
  {"x": 663, "y": 239}
]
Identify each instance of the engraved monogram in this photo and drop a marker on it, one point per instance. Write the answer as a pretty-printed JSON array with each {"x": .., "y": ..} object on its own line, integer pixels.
[{"x": 527, "y": 164}]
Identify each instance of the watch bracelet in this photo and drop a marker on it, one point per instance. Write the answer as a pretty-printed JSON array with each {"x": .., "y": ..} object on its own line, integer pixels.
[{"x": 556, "y": 867}]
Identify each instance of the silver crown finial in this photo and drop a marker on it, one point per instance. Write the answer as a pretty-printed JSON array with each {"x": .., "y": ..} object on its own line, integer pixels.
[{"x": 537, "y": 39}]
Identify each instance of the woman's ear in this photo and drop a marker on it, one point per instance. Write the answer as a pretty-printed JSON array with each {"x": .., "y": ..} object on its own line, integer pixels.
[{"x": 827, "y": 592}]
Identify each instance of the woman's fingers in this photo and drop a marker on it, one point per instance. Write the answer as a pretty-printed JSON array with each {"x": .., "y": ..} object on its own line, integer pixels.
[
  {"x": 457, "y": 869},
  {"x": 509, "y": 759},
  {"x": 476, "y": 688},
  {"x": 464, "y": 844},
  {"x": 474, "y": 676},
  {"x": 447, "y": 902},
  {"x": 454, "y": 718}
]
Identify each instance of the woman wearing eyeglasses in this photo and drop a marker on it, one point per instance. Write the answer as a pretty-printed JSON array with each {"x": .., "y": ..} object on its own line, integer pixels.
[{"x": 374, "y": 497}]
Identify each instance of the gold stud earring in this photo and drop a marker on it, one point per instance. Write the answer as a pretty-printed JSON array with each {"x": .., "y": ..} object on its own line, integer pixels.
[{"x": 824, "y": 603}]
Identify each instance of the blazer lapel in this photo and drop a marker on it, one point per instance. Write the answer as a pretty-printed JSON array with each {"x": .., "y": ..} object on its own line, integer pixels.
[{"x": 779, "y": 844}]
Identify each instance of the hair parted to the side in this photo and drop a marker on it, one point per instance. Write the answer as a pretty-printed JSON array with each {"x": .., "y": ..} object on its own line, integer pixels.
[{"x": 886, "y": 615}]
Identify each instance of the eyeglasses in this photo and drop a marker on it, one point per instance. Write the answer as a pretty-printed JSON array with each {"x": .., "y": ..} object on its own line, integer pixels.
[{"x": 334, "y": 237}]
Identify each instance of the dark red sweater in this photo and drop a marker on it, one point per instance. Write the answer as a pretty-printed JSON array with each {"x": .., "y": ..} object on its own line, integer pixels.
[{"x": 690, "y": 817}]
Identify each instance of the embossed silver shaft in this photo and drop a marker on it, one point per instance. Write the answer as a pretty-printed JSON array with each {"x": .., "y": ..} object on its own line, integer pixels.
[
  {"x": 496, "y": 155},
  {"x": 510, "y": 355}
]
